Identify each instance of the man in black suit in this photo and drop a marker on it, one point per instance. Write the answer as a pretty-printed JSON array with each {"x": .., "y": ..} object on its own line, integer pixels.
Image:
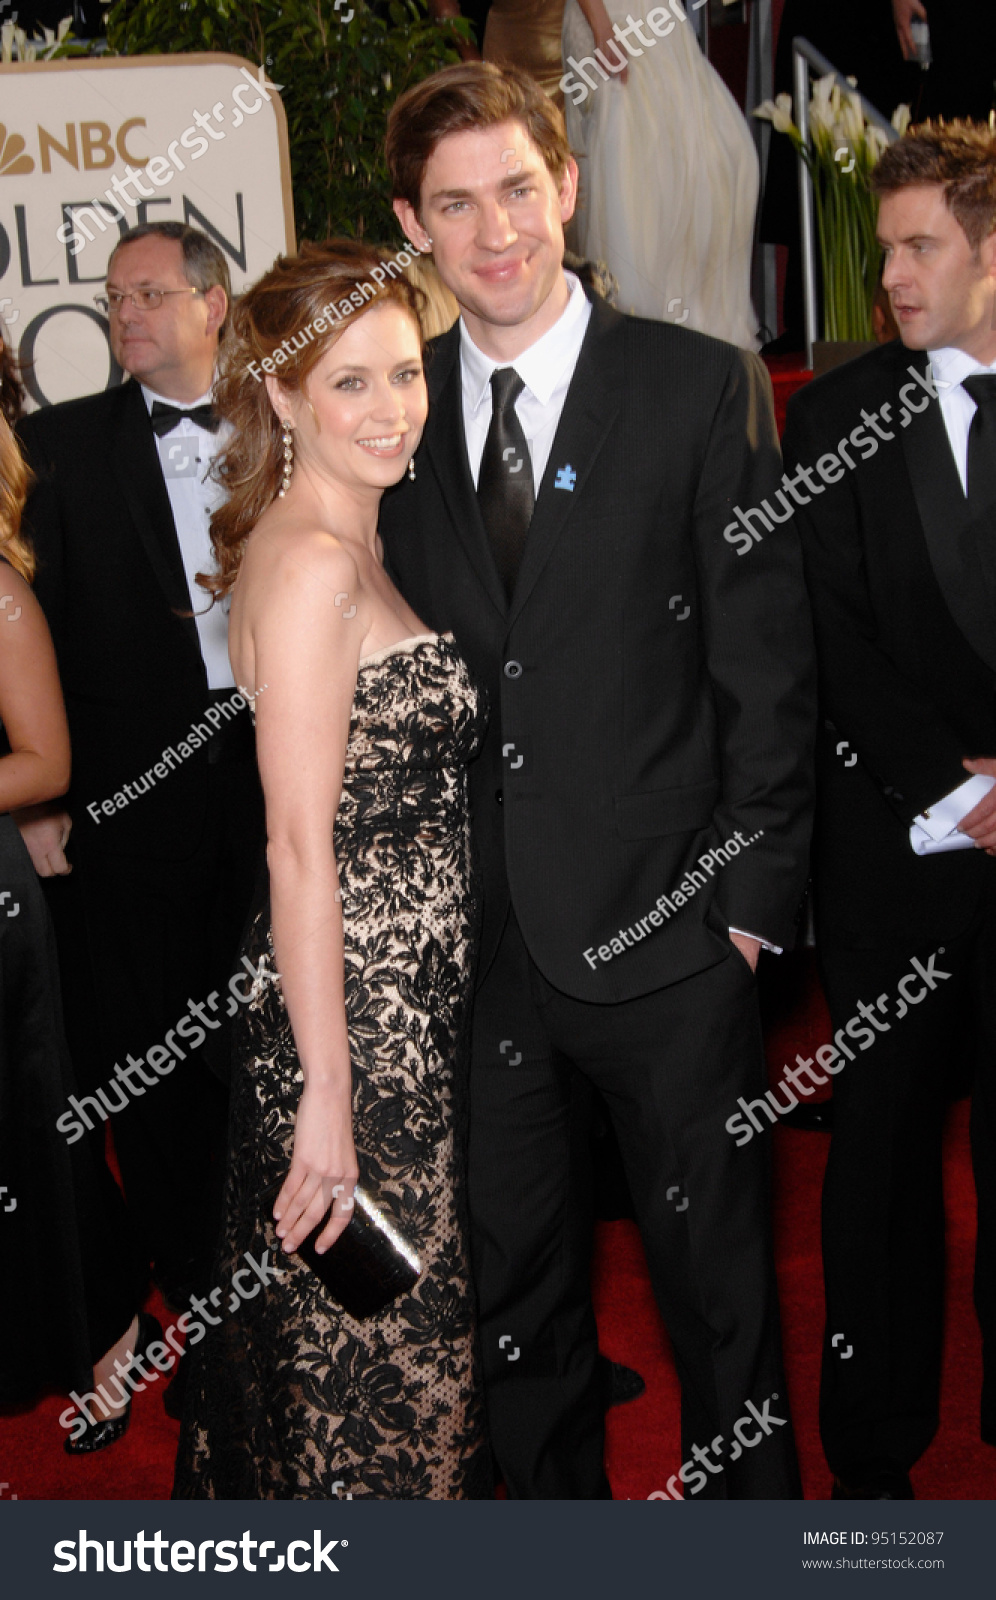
[
  {"x": 165, "y": 806},
  {"x": 643, "y": 792},
  {"x": 899, "y": 543}
]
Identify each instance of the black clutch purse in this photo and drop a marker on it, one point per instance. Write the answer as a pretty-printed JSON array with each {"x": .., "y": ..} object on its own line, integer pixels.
[{"x": 371, "y": 1262}]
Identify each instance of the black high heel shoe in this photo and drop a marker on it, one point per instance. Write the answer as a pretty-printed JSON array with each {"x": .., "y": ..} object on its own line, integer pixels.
[{"x": 98, "y": 1435}]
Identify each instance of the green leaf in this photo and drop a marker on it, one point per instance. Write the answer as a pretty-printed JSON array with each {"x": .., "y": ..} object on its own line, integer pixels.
[{"x": 334, "y": 94}]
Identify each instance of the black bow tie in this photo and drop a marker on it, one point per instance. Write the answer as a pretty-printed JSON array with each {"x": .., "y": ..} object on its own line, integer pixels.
[{"x": 165, "y": 418}]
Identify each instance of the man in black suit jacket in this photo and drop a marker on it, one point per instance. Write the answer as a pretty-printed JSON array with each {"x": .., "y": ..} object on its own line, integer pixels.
[
  {"x": 644, "y": 788},
  {"x": 165, "y": 805},
  {"x": 901, "y": 563}
]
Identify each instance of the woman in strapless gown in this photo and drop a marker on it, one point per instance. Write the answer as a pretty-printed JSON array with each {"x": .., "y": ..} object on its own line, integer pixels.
[
  {"x": 668, "y": 175},
  {"x": 290, "y": 1396}
]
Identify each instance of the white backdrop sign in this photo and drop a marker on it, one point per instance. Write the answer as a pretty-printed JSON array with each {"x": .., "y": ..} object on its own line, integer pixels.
[{"x": 89, "y": 148}]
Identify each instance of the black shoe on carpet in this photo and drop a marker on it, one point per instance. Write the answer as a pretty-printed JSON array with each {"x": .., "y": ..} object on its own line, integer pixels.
[
  {"x": 108, "y": 1430},
  {"x": 619, "y": 1384}
]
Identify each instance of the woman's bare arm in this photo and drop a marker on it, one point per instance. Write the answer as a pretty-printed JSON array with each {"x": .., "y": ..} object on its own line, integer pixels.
[
  {"x": 31, "y": 705},
  {"x": 307, "y": 654}
]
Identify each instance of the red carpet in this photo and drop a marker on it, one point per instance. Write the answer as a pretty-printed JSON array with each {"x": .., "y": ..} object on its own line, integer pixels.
[
  {"x": 787, "y": 375},
  {"x": 643, "y": 1442}
]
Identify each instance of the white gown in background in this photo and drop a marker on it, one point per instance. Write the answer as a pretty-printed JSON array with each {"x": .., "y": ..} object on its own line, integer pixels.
[{"x": 669, "y": 181}]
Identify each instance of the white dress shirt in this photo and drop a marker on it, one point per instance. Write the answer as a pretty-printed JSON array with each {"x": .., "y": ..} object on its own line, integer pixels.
[
  {"x": 185, "y": 455},
  {"x": 546, "y": 370},
  {"x": 936, "y": 829},
  {"x": 957, "y": 405}
]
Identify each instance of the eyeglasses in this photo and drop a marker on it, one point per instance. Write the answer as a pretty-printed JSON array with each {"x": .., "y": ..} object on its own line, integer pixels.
[{"x": 141, "y": 299}]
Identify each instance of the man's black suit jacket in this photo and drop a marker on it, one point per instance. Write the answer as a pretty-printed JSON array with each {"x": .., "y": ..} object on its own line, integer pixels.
[
  {"x": 111, "y": 582},
  {"x": 903, "y": 590},
  {"x": 651, "y": 692}
]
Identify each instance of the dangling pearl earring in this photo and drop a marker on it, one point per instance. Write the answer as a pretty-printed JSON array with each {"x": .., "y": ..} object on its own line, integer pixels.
[
  {"x": 411, "y": 468},
  {"x": 288, "y": 459}
]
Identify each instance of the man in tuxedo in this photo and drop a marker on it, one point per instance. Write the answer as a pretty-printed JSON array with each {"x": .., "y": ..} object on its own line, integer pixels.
[
  {"x": 641, "y": 806},
  {"x": 164, "y": 804},
  {"x": 899, "y": 543}
]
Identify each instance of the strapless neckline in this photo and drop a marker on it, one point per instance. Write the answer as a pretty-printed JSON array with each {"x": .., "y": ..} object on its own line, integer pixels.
[{"x": 402, "y": 644}]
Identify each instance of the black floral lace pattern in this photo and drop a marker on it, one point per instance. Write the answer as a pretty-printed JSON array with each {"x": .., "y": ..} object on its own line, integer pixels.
[{"x": 290, "y": 1397}]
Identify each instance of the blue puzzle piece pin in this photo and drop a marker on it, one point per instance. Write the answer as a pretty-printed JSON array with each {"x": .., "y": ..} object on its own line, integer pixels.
[{"x": 566, "y": 478}]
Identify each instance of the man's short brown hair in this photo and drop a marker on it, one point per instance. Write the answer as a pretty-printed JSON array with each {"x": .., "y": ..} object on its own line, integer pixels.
[
  {"x": 471, "y": 94},
  {"x": 960, "y": 157}
]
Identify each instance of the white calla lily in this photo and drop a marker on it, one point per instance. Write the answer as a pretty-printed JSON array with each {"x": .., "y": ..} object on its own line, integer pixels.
[
  {"x": 778, "y": 112},
  {"x": 840, "y": 154},
  {"x": 852, "y": 119}
]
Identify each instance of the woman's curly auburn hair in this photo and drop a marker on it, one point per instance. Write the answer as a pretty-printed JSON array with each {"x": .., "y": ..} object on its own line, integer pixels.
[
  {"x": 299, "y": 308},
  {"x": 11, "y": 387},
  {"x": 14, "y": 475}
]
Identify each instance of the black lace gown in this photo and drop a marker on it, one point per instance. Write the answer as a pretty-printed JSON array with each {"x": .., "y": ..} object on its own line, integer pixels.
[{"x": 289, "y": 1397}]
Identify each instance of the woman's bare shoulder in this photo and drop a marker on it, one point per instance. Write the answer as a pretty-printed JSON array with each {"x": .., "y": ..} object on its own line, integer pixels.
[
  {"x": 18, "y": 604},
  {"x": 286, "y": 555}
]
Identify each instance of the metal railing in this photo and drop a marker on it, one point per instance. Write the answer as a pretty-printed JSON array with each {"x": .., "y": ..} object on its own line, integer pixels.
[
  {"x": 804, "y": 56},
  {"x": 761, "y": 86}
]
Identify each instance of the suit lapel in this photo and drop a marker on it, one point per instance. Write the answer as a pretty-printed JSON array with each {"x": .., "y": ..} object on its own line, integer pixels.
[
  {"x": 135, "y": 463},
  {"x": 447, "y": 449},
  {"x": 957, "y": 547},
  {"x": 590, "y": 409}
]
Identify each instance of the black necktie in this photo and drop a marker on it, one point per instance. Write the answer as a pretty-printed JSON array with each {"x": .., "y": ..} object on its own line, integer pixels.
[
  {"x": 165, "y": 418},
  {"x": 505, "y": 485},
  {"x": 982, "y": 444}
]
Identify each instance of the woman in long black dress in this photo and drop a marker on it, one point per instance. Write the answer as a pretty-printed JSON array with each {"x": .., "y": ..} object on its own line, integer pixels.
[
  {"x": 64, "y": 1238},
  {"x": 348, "y": 1060}
]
